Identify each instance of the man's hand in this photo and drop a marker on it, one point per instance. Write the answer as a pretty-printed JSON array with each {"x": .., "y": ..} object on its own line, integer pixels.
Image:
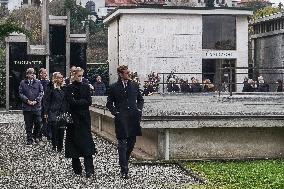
[{"x": 32, "y": 103}]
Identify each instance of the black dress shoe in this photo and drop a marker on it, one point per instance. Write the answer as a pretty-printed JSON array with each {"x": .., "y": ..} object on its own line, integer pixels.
[
  {"x": 88, "y": 174},
  {"x": 124, "y": 175},
  {"x": 77, "y": 173},
  {"x": 29, "y": 142},
  {"x": 36, "y": 140}
]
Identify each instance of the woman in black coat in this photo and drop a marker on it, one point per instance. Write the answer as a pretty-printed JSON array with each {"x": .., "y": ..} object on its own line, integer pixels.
[
  {"x": 79, "y": 141},
  {"x": 54, "y": 104}
]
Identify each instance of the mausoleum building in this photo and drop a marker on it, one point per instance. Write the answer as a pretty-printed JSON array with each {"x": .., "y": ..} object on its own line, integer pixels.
[{"x": 197, "y": 41}]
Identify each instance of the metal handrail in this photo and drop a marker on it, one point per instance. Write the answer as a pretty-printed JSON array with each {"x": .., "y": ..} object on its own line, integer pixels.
[{"x": 229, "y": 71}]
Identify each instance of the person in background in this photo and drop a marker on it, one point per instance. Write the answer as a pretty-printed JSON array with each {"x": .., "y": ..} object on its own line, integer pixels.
[
  {"x": 184, "y": 86},
  {"x": 208, "y": 86},
  {"x": 279, "y": 85},
  {"x": 79, "y": 141},
  {"x": 148, "y": 88},
  {"x": 54, "y": 104},
  {"x": 99, "y": 87},
  {"x": 125, "y": 102},
  {"x": 195, "y": 86},
  {"x": 172, "y": 86},
  {"x": 46, "y": 130},
  {"x": 262, "y": 86},
  {"x": 31, "y": 93}
]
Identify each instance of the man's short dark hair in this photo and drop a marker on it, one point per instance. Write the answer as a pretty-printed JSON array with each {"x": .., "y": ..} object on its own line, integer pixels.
[{"x": 121, "y": 68}]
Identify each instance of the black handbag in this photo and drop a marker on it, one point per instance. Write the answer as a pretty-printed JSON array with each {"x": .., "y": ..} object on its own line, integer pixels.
[{"x": 63, "y": 120}]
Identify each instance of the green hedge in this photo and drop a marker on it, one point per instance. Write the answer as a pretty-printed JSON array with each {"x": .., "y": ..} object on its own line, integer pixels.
[
  {"x": 2, "y": 78},
  {"x": 94, "y": 70}
]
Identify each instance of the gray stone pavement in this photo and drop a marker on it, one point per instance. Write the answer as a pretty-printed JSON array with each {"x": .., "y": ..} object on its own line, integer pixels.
[{"x": 37, "y": 166}]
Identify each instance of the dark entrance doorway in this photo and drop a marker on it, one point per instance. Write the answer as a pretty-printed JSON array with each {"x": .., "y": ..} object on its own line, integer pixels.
[
  {"x": 218, "y": 71},
  {"x": 19, "y": 62},
  {"x": 57, "y": 40}
]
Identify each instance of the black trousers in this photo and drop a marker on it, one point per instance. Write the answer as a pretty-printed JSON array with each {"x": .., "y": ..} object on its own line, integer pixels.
[
  {"x": 125, "y": 147},
  {"x": 46, "y": 128},
  {"x": 57, "y": 136},
  {"x": 32, "y": 124},
  {"x": 88, "y": 163}
]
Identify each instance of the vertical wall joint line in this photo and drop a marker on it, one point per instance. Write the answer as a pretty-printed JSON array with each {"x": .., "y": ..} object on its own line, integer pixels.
[{"x": 167, "y": 141}]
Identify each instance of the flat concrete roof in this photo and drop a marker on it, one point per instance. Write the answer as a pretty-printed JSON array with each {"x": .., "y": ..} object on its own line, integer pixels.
[
  {"x": 176, "y": 10},
  {"x": 274, "y": 16}
]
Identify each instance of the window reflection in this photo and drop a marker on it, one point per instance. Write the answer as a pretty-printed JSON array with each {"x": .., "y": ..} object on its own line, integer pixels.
[{"x": 219, "y": 32}]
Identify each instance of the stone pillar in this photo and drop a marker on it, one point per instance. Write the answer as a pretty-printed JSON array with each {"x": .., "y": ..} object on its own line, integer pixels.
[
  {"x": 68, "y": 44},
  {"x": 45, "y": 30},
  {"x": 7, "y": 75},
  {"x": 242, "y": 50}
]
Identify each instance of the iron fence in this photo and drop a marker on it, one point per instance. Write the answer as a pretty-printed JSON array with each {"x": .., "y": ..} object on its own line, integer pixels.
[{"x": 226, "y": 79}]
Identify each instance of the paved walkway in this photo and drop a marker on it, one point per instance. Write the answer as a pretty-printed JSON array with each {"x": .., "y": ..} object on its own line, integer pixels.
[{"x": 37, "y": 166}]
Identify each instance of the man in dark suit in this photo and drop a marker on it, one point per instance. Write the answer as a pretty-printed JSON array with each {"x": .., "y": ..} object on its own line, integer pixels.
[
  {"x": 31, "y": 93},
  {"x": 125, "y": 102}
]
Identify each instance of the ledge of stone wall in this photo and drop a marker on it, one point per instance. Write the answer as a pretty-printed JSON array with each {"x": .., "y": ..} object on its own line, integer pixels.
[{"x": 211, "y": 105}]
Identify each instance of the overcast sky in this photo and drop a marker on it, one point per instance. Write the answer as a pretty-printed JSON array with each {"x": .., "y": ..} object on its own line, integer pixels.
[{"x": 16, "y": 3}]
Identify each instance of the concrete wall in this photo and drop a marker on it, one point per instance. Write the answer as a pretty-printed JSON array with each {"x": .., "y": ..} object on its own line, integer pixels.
[
  {"x": 242, "y": 49},
  {"x": 269, "y": 52},
  {"x": 160, "y": 43},
  {"x": 226, "y": 143},
  {"x": 248, "y": 126},
  {"x": 200, "y": 143}
]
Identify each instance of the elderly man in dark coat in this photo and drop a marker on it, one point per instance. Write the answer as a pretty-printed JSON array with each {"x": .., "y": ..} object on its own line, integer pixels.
[
  {"x": 79, "y": 141},
  {"x": 125, "y": 102},
  {"x": 31, "y": 93}
]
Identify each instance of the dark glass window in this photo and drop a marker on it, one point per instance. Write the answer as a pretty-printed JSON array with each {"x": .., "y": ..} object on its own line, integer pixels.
[
  {"x": 219, "y": 32},
  {"x": 57, "y": 37}
]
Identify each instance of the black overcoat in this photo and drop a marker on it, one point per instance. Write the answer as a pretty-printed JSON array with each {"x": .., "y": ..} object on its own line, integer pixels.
[
  {"x": 126, "y": 105},
  {"x": 79, "y": 141},
  {"x": 54, "y": 102}
]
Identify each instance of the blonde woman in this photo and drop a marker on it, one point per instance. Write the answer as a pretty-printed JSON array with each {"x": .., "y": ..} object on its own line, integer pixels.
[
  {"x": 79, "y": 141},
  {"x": 55, "y": 103}
]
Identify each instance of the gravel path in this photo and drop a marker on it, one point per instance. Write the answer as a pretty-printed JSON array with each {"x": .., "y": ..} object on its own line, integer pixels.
[{"x": 37, "y": 166}]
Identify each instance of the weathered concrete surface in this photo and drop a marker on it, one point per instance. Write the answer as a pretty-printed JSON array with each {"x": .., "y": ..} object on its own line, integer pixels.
[
  {"x": 206, "y": 126},
  {"x": 269, "y": 53},
  {"x": 209, "y": 104}
]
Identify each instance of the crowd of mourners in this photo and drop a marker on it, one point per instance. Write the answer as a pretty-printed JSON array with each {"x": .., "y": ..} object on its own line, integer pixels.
[
  {"x": 45, "y": 102},
  {"x": 54, "y": 107},
  {"x": 260, "y": 85},
  {"x": 176, "y": 85}
]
